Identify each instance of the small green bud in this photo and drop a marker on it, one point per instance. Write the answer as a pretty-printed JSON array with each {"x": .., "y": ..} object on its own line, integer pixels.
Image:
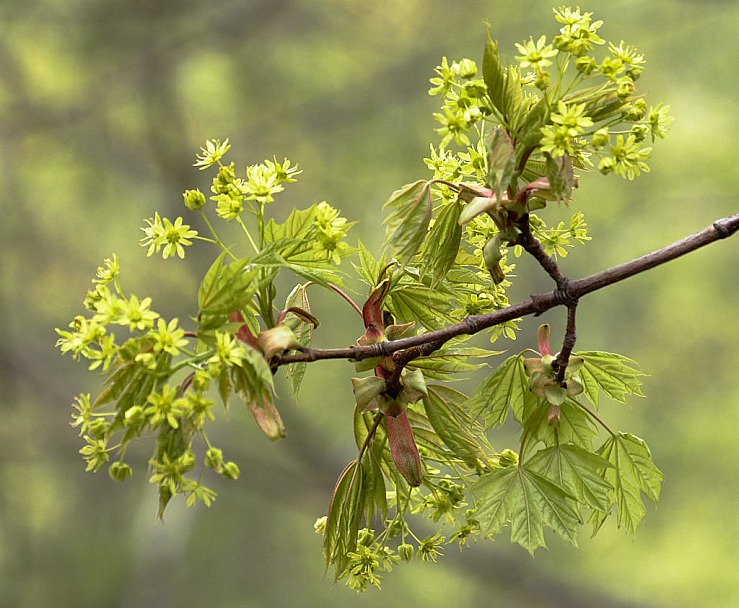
[
  {"x": 406, "y": 552},
  {"x": 467, "y": 68},
  {"x": 320, "y": 525},
  {"x": 119, "y": 471},
  {"x": 640, "y": 132},
  {"x": 214, "y": 458},
  {"x": 634, "y": 111},
  {"x": 624, "y": 87},
  {"x": 606, "y": 165},
  {"x": 134, "y": 416},
  {"x": 231, "y": 470},
  {"x": 543, "y": 80},
  {"x": 97, "y": 428},
  {"x": 366, "y": 537},
  {"x": 601, "y": 138},
  {"x": 508, "y": 458},
  {"x": 194, "y": 199},
  {"x": 586, "y": 65}
]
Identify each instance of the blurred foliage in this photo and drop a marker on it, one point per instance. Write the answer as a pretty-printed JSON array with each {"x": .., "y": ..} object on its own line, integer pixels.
[{"x": 102, "y": 104}]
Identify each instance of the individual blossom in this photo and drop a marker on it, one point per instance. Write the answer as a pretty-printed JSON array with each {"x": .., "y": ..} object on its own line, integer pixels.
[
  {"x": 176, "y": 237},
  {"x": 165, "y": 407},
  {"x": 95, "y": 453},
  {"x": 77, "y": 342},
  {"x": 659, "y": 121},
  {"x": 262, "y": 183},
  {"x": 283, "y": 171},
  {"x": 104, "y": 354},
  {"x": 454, "y": 126},
  {"x": 557, "y": 140},
  {"x": 211, "y": 153},
  {"x": 162, "y": 233},
  {"x": 572, "y": 117},
  {"x": 626, "y": 159},
  {"x": 228, "y": 352},
  {"x": 107, "y": 273},
  {"x": 136, "y": 314},
  {"x": 168, "y": 337},
  {"x": 535, "y": 54},
  {"x": 431, "y": 547},
  {"x": 228, "y": 206},
  {"x": 628, "y": 56},
  {"x": 445, "y": 79}
]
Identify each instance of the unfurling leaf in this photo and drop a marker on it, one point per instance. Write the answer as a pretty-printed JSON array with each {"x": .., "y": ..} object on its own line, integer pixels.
[
  {"x": 410, "y": 214},
  {"x": 403, "y": 448},
  {"x": 344, "y": 515},
  {"x": 253, "y": 383},
  {"x": 442, "y": 244}
]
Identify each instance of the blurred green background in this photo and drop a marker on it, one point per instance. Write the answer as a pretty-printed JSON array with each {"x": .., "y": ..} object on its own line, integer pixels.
[{"x": 103, "y": 104}]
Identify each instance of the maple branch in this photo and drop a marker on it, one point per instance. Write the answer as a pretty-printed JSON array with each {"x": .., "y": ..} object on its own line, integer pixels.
[{"x": 564, "y": 295}]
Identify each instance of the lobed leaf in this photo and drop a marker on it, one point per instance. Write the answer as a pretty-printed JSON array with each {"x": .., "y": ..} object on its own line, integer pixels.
[
  {"x": 504, "y": 388},
  {"x": 577, "y": 470},
  {"x": 614, "y": 375},
  {"x": 529, "y": 502},
  {"x": 632, "y": 473}
]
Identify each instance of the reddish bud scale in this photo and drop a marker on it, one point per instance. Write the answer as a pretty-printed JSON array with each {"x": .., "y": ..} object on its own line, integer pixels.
[
  {"x": 243, "y": 334},
  {"x": 403, "y": 448}
]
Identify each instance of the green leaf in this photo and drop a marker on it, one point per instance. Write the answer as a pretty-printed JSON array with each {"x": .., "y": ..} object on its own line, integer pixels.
[
  {"x": 578, "y": 471},
  {"x": 494, "y": 74},
  {"x": 253, "y": 383},
  {"x": 344, "y": 515},
  {"x": 615, "y": 375},
  {"x": 298, "y": 225},
  {"x": 502, "y": 389},
  {"x": 226, "y": 288},
  {"x": 445, "y": 409},
  {"x": 560, "y": 175},
  {"x": 298, "y": 297},
  {"x": 408, "y": 221},
  {"x": 442, "y": 243},
  {"x": 420, "y": 303},
  {"x": 451, "y": 359},
  {"x": 501, "y": 161},
  {"x": 632, "y": 472},
  {"x": 368, "y": 268},
  {"x": 528, "y": 502}
]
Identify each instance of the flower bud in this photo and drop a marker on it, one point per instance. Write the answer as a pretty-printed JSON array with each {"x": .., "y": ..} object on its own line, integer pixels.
[
  {"x": 231, "y": 470},
  {"x": 508, "y": 458},
  {"x": 403, "y": 448},
  {"x": 213, "y": 458},
  {"x": 405, "y": 551},
  {"x": 467, "y": 68},
  {"x": 119, "y": 471},
  {"x": 601, "y": 138},
  {"x": 194, "y": 199}
]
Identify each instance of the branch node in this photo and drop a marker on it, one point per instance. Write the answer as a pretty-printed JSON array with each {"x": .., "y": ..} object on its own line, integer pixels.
[
  {"x": 723, "y": 232},
  {"x": 563, "y": 295}
]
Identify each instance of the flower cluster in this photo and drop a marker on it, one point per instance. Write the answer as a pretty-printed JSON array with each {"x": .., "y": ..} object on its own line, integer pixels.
[
  {"x": 140, "y": 398},
  {"x": 465, "y": 101},
  {"x": 260, "y": 183},
  {"x": 330, "y": 230}
]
